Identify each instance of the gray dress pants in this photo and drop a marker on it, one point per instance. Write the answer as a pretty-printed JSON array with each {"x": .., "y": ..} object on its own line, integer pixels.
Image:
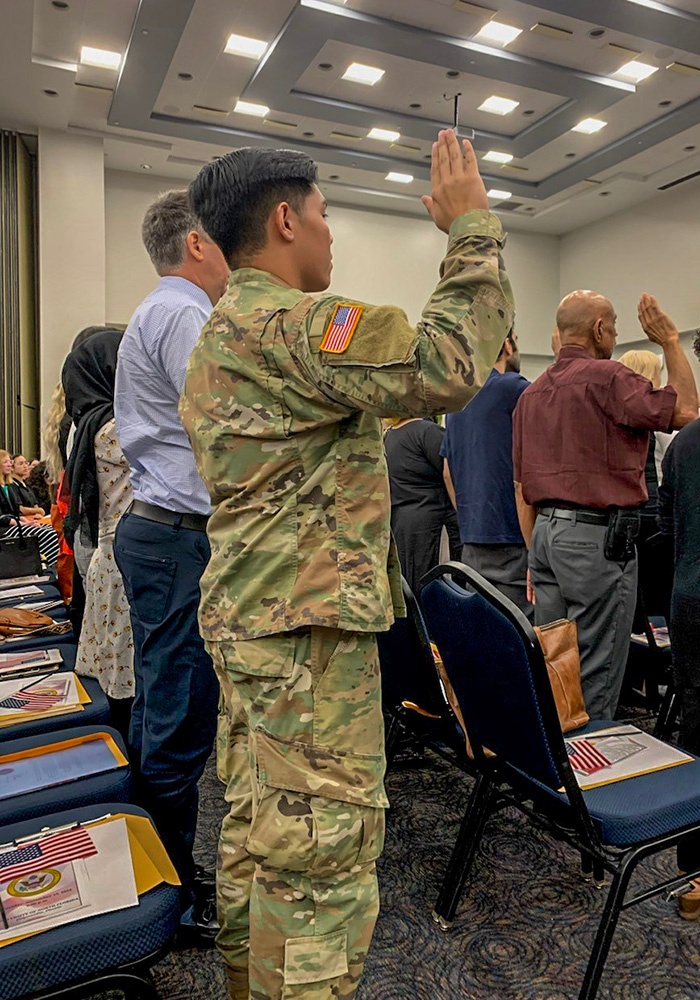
[
  {"x": 505, "y": 566},
  {"x": 573, "y": 579}
]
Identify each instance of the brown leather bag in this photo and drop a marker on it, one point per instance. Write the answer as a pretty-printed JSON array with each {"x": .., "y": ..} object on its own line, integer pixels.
[
  {"x": 19, "y": 622},
  {"x": 559, "y": 642}
]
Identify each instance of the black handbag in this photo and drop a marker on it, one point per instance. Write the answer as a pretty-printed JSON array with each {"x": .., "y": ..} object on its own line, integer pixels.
[{"x": 19, "y": 556}]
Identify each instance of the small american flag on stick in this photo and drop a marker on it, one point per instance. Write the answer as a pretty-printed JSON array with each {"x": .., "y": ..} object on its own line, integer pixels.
[
  {"x": 341, "y": 328},
  {"x": 32, "y": 701},
  {"x": 54, "y": 849},
  {"x": 585, "y": 757}
]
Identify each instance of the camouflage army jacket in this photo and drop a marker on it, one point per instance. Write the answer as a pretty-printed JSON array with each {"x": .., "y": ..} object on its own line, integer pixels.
[{"x": 288, "y": 436}]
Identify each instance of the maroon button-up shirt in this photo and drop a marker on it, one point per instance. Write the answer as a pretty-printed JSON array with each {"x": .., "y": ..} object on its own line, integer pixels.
[{"x": 581, "y": 432}]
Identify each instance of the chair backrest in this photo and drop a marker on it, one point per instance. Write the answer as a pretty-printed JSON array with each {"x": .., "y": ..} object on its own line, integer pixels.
[
  {"x": 407, "y": 663},
  {"x": 496, "y": 666}
]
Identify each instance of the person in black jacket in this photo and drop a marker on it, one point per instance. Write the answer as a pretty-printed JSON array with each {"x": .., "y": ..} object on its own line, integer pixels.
[{"x": 679, "y": 516}]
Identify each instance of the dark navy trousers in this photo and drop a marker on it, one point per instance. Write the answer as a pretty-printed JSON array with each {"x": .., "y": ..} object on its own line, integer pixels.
[{"x": 173, "y": 721}]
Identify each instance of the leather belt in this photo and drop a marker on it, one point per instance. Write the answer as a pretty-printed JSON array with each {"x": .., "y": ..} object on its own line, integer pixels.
[
  {"x": 582, "y": 516},
  {"x": 150, "y": 512}
]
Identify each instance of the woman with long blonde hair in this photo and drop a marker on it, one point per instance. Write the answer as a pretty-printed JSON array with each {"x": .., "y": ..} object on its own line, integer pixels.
[{"x": 55, "y": 436}]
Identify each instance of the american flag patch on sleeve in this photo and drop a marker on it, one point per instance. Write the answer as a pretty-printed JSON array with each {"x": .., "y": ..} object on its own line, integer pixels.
[{"x": 341, "y": 328}]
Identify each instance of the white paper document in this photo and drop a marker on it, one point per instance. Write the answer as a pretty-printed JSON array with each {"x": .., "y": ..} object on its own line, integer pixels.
[
  {"x": 61, "y": 891},
  {"x": 16, "y": 592},
  {"x": 56, "y": 767},
  {"x": 29, "y": 659},
  {"x": 41, "y": 694},
  {"x": 20, "y": 581},
  {"x": 619, "y": 752}
]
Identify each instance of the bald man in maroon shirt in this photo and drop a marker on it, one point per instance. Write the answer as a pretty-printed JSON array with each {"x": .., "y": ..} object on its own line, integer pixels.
[{"x": 580, "y": 441}]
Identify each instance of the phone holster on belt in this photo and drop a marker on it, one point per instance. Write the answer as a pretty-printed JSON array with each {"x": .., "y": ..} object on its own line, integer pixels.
[{"x": 623, "y": 529}]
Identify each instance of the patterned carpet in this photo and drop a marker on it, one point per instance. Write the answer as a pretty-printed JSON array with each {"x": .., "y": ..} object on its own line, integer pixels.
[{"x": 524, "y": 927}]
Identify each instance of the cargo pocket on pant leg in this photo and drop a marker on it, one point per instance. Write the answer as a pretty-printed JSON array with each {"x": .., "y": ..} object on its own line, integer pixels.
[{"x": 313, "y": 965}]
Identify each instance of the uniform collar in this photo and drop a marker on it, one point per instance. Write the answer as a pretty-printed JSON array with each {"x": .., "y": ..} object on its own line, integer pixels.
[{"x": 245, "y": 274}]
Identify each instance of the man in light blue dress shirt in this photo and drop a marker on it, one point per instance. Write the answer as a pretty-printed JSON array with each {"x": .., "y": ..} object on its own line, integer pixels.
[{"x": 161, "y": 545}]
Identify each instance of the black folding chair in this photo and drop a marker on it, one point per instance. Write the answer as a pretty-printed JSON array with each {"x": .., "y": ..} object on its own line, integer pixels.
[
  {"x": 499, "y": 676},
  {"x": 413, "y": 698}
]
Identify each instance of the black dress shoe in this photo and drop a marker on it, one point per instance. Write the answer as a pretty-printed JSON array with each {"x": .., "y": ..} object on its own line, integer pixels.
[
  {"x": 204, "y": 878},
  {"x": 198, "y": 925}
]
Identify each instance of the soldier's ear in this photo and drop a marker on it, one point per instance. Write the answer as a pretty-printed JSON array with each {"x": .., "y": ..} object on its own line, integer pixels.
[{"x": 282, "y": 221}]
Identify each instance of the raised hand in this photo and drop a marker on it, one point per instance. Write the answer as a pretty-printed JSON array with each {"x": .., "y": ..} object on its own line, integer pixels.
[
  {"x": 658, "y": 327},
  {"x": 456, "y": 181}
]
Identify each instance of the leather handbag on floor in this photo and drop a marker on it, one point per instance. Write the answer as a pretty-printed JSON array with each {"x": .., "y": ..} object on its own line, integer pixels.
[
  {"x": 16, "y": 622},
  {"x": 19, "y": 557},
  {"x": 559, "y": 642}
]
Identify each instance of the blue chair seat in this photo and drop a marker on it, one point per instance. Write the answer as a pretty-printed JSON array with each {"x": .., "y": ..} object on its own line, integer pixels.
[
  {"x": 636, "y": 809},
  {"x": 95, "y": 713},
  {"x": 92, "y": 948},
  {"x": 113, "y": 786}
]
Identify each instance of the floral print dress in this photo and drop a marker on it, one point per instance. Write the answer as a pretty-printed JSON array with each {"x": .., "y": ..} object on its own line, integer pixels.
[{"x": 106, "y": 648}]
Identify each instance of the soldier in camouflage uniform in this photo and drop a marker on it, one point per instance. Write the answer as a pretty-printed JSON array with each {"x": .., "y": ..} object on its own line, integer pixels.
[{"x": 282, "y": 404}]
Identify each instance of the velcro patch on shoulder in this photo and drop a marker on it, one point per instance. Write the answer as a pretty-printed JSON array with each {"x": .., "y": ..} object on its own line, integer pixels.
[{"x": 341, "y": 327}]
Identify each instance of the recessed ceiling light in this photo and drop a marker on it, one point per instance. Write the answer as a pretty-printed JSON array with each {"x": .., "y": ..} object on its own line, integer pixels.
[
  {"x": 248, "y": 108},
  {"x": 499, "y": 195},
  {"x": 589, "y": 126},
  {"x": 636, "y": 71},
  {"x": 399, "y": 178},
  {"x": 498, "y": 105},
  {"x": 494, "y": 157},
  {"x": 146, "y": 166},
  {"x": 50, "y": 93},
  {"x": 386, "y": 135},
  {"x": 359, "y": 73},
  {"x": 652, "y": 5},
  {"x": 241, "y": 45},
  {"x": 496, "y": 31},
  {"x": 59, "y": 4},
  {"x": 185, "y": 76},
  {"x": 415, "y": 105},
  {"x": 100, "y": 57}
]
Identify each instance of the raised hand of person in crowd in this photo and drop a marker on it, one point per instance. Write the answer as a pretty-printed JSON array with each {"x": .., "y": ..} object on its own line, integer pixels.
[
  {"x": 658, "y": 327},
  {"x": 456, "y": 181}
]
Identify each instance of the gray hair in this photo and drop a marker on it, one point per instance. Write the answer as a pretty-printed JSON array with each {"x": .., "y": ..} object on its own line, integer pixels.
[{"x": 165, "y": 227}]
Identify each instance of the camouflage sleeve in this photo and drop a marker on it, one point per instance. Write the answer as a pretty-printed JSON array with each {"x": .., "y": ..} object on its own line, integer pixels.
[{"x": 392, "y": 368}]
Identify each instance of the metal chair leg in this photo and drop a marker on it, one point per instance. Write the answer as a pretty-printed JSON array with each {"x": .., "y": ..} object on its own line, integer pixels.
[
  {"x": 392, "y": 738},
  {"x": 464, "y": 851},
  {"x": 668, "y": 713},
  {"x": 606, "y": 929}
]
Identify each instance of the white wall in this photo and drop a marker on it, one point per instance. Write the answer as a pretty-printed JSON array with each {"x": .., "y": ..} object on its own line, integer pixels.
[
  {"x": 377, "y": 258},
  {"x": 653, "y": 247},
  {"x": 71, "y": 246}
]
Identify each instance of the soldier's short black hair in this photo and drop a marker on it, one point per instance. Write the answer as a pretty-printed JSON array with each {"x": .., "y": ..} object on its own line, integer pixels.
[{"x": 234, "y": 195}]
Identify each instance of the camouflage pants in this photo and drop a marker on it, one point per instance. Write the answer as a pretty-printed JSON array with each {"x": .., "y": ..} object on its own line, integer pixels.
[{"x": 301, "y": 750}]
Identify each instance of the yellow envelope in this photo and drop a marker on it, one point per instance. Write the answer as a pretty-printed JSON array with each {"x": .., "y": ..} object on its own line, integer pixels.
[{"x": 148, "y": 856}]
